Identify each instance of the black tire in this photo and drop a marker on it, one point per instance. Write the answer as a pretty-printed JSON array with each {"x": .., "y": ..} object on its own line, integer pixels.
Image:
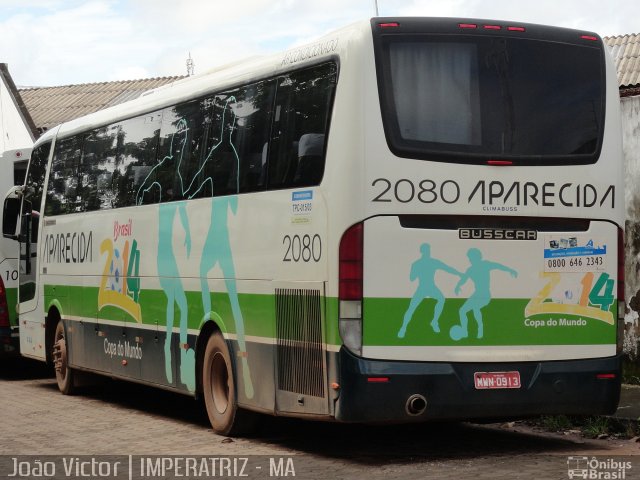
[
  {"x": 64, "y": 374},
  {"x": 219, "y": 391}
]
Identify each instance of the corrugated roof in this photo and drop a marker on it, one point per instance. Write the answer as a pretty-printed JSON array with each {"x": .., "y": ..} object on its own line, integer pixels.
[
  {"x": 51, "y": 106},
  {"x": 625, "y": 50}
]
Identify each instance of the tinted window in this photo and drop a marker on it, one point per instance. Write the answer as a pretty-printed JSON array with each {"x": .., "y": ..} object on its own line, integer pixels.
[
  {"x": 303, "y": 107},
  {"x": 64, "y": 193},
  {"x": 20, "y": 172},
  {"x": 221, "y": 165},
  {"x": 184, "y": 139},
  {"x": 236, "y": 158},
  {"x": 135, "y": 156},
  {"x": 252, "y": 111},
  {"x": 97, "y": 167},
  {"x": 465, "y": 97},
  {"x": 215, "y": 146},
  {"x": 220, "y": 145},
  {"x": 36, "y": 174}
]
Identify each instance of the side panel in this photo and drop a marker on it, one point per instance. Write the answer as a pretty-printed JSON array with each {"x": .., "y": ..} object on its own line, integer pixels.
[{"x": 124, "y": 278}]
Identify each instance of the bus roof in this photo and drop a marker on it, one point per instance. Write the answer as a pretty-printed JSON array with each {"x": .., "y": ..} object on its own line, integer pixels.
[
  {"x": 333, "y": 44},
  {"x": 227, "y": 76}
]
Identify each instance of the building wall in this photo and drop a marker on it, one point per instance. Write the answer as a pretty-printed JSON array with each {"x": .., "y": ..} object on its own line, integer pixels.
[
  {"x": 630, "y": 111},
  {"x": 13, "y": 131}
]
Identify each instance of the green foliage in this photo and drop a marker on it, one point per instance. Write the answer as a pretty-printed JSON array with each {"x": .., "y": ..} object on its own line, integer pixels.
[
  {"x": 556, "y": 423},
  {"x": 596, "y": 426},
  {"x": 591, "y": 427}
]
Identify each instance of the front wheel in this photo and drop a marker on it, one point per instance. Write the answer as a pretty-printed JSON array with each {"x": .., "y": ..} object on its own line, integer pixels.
[
  {"x": 64, "y": 374},
  {"x": 220, "y": 395}
]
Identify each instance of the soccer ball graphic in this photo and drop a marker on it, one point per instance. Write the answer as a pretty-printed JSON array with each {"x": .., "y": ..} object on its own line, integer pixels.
[{"x": 115, "y": 272}]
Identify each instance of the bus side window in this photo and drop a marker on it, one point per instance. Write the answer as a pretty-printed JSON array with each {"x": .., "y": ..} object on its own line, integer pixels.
[
  {"x": 310, "y": 159},
  {"x": 183, "y": 137},
  {"x": 135, "y": 157},
  {"x": 19, "y": 172},
  {"x": 63, "y": 192},
  {"x": 97, "y": 167},
  {"x": 251, "y": 134},
  {"x": 36, "y": 172},
  {"x": 220, "y": 166},
  {"x": 303, "y": 108}
]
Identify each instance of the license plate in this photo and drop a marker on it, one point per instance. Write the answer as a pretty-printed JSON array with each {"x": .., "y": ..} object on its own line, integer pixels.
[{"x": 489, "y": 380}]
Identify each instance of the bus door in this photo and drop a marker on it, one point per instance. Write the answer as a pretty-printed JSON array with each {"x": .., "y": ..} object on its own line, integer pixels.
[{"x": 32, "y": 320}]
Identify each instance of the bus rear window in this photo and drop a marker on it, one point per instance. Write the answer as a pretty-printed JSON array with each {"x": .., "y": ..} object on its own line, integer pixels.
[{"x": 469, "y": 99}]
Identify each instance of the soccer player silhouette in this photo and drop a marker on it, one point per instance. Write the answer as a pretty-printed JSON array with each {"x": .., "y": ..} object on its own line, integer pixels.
[
  {"x": 168, "y": 273},
  {"x": 424, "y": 270},
  {"x": 480, "y": 274}
]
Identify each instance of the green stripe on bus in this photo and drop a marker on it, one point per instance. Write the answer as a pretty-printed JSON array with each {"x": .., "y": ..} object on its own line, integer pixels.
[
  {"x": 258, "y": 310},
  {"x": 504, "y": 324},
  {"x": 12, "y": 300}
]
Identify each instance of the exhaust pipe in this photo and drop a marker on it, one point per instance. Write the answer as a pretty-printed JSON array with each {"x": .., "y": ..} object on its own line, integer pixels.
[{"x": 416, "y": 405}]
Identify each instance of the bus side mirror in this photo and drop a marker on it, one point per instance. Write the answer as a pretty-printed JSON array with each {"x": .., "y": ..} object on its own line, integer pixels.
[{"x": 10, "y": 216}]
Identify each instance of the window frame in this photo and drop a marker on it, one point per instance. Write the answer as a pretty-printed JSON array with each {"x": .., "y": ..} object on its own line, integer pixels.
[
  {"x": 420, "y": 151},
  {"x": 211, "y": 95}
]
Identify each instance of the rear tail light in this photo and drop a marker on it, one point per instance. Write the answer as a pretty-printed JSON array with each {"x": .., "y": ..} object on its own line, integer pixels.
[
  {"x": 350, "y": 287},
  {"x": 378, "y": 379},
  {"x": 4, "y": 309},
  {"x": 621, "y": 301},
  {"x": 589, "y": 37},
  {"x": 351, "y": 247},
  {"x": 467, "y": 25},
  {"x": 389, "y": 25}
]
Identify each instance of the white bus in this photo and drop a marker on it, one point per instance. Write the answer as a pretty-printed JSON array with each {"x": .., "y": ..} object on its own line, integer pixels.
[
  {"x": 14, "y": 167},
  {"x": 409, "y": 219}
]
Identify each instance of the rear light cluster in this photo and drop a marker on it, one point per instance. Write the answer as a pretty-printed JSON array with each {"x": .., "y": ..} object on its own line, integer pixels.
[
  {"x": 4, "y": 309},
  {"x": 492, "y": 27},
  {"x": 351, "y": 263},
  {"x": 350, "y": 288},
  {"x": 511, "y": 28}
]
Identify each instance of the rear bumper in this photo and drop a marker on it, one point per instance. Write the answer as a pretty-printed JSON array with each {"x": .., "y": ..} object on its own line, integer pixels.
[{"x": 552, "y": 387}]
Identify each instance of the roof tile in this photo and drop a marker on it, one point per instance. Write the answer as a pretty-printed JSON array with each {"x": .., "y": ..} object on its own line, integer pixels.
[
  {"x": 625, "y": 50},
  {"x": 50, "y": 106}
]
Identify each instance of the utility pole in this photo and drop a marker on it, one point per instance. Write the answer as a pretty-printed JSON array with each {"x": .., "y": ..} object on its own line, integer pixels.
[{"x": 376, "y": 2}]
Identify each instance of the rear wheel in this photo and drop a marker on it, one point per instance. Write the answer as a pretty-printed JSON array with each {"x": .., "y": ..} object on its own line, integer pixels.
[
  {"x": 220, "y": 395},
  {"x": 64, "y": 374}
]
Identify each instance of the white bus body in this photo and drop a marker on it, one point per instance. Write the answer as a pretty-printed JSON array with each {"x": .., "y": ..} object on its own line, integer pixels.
[
  {"x": 14, "y": 166},
  {"x": 402, "y": 221}
]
